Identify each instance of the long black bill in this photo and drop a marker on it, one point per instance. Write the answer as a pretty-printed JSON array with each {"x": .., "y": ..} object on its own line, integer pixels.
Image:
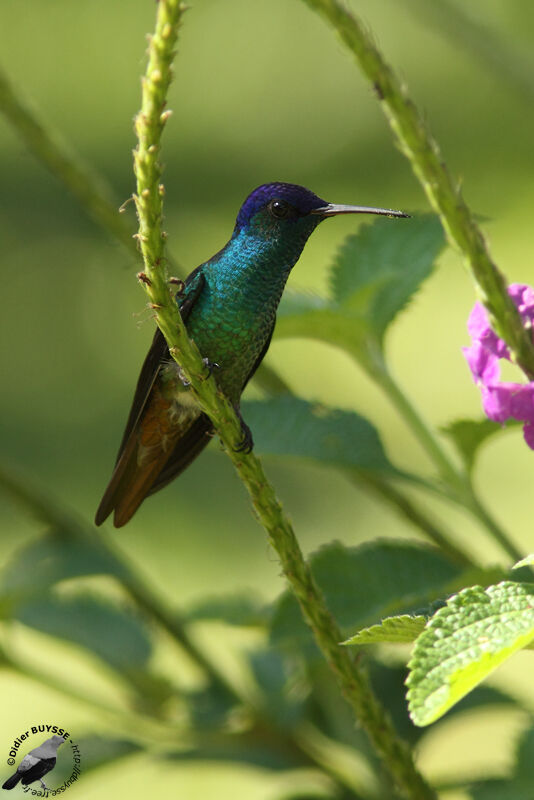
[{"x": 331, "y": 209}]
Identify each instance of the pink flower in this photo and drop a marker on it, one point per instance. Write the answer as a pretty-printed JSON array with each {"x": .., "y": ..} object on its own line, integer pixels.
[{"x": 501, "y": 401}]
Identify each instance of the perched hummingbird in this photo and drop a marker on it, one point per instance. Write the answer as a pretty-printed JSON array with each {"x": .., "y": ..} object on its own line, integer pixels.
[{"x": 229, "y": 307}]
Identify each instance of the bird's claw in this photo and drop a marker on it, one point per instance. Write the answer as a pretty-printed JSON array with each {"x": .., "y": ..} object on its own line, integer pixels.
[
  {"x": 43, "y": 784},
  {"x": 210, "y": 365},
  {"x": 185, "y": 383},
  {"x": 247, "y": 442}
]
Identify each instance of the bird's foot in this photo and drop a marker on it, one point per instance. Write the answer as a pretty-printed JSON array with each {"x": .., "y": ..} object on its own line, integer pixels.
[
  {"x": 43, "y": 784},
  {"x": 180, "y": 291},
  {"x": 210, "y": 365},
  {"x": 185, "y": 383},
  {"x": 247, "y": 442}
]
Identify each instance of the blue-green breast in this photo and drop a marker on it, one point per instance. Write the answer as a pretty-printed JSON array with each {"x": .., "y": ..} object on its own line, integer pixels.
[{"x": 233, "y": 317}]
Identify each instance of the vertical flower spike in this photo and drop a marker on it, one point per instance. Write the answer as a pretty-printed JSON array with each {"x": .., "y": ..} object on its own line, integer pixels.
[{"x": 501, "y": 400}]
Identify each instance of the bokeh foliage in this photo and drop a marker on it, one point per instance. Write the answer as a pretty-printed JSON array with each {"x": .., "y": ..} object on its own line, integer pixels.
[{"x": 284, "y": 105}]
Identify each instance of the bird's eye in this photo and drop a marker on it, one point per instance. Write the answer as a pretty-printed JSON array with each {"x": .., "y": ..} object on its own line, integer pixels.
[{"x": 279, "y": 209}]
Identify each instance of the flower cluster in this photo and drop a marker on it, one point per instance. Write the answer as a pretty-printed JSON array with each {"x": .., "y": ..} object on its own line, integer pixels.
[{"x": 501, "y": 400}]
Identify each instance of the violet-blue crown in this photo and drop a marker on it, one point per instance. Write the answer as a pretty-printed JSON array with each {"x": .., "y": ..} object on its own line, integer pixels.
[{"x": 298, "y": 196}]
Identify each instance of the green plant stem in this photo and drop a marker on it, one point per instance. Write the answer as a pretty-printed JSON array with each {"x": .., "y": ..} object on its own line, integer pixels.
[
  {"x": 137, "y": 726},
  {"x": 146, "y": 730},
  {"x": 443, "y": 193},
  {"x": 418, "y": 425},
  {"x": 94, "y": 196},
  {"x": 274, "y": 385},
  {"x": 65, "y": 523},
  {"x": 421, "y": 519},
  {"x": 461, "y": 488},
  {"x": 352, "y": 679},
  {"x": 493, "y": 527},
  {"x": 480, "y": 41},
  {"x": 90, "y": 189},
  {"x": 171, "y": 622}
]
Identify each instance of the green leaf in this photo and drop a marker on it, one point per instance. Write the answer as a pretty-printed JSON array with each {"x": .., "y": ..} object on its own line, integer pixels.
[
  {"x": 238, "y": 748},
  {"x": 113, "y": 634},
  {"x": 288, "y": 426},
  {"x": 283, "y": 694},
  {"x": 304, "y": 315},
  {"x": 400, "y": 629},
  {"x": 525, "y": 756},
  {"x": 45, "y": 561},
  {"x": 95, "y": 752},
  {"x": 377, "y": 270},
  {"x": 501, "y": 789},
  {"x": 374, "y": 276},
  {"x": 365, "y": 583},
  {"x": 469, "y": 434},
  {"x": 210, "y": 707},
  {"x": 519, "y": 785},
  {"x": 525, "y": 562},
  {"x": 237, "y": 609},
  {"x": 464, "y": 642}
]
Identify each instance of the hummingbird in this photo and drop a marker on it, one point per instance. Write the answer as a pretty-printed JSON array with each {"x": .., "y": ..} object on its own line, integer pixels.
[{"x": 228, "y": 305}]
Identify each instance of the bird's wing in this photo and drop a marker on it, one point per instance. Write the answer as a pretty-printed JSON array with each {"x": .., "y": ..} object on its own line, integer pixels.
[
  {"x": 196, "y": 438},
  {"x": 261, "y": 355},
  {"x": 185, "y": 451},
  {"x": 158, "y": 354},
  {"x": 40, "y": 768},
  {"x": 28, "y": 762},
  {"x": 149, "y": 372}
]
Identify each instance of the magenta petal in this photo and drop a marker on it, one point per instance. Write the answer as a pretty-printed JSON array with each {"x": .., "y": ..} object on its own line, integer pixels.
[
  {"x": 478, "y": 323},
  {"x": 504, "y": 400},
  {"x": 482, "y": 363},
  {"x": 497, "y": 346},
  {"x": 528, "y": 434},
  {"x": 501, "y": 401},
  {"x": 521, "y": 400},
  {"x": 523, "y": 297},
  {"x": 496, "y": 403},
  {"x": 516, "y": 292}
]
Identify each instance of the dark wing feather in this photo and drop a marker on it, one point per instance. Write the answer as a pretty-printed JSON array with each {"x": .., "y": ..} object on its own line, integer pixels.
[
  {"x": 196, "y": 438},
  {"x": 158, "y": 354},
  {"x": 261, "y": 355},
  {"x": 187, "y": 449},
  {"x": 149, "y": 372},
  {"x": 38, "y": 770}
]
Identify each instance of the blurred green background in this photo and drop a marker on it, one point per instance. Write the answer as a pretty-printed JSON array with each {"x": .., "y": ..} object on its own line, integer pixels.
[{"x": 263, "y": 91}]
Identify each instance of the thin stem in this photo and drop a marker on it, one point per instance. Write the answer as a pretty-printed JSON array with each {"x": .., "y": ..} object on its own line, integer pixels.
[
  {"x": 443, "y": 193},
  {"x": 385, "y": 488},
  {"x": 176, "y": 628},
  {"x": 136, "y": 725},
  {"x": 64, "y": 522},
  {"x": 89, "y": 188},
  {"x": 462, "y": 491},
  {"x": 493, "y": 527},
  {"x": 416, "y": 516},
  {"x": 480, "y": 41},
  {"x": 352, "y": 679},
  {"x": 421, "y": 429}
]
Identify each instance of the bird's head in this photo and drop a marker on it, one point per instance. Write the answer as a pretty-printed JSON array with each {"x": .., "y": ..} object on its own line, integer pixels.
[{"x": 275, "y": 210}]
